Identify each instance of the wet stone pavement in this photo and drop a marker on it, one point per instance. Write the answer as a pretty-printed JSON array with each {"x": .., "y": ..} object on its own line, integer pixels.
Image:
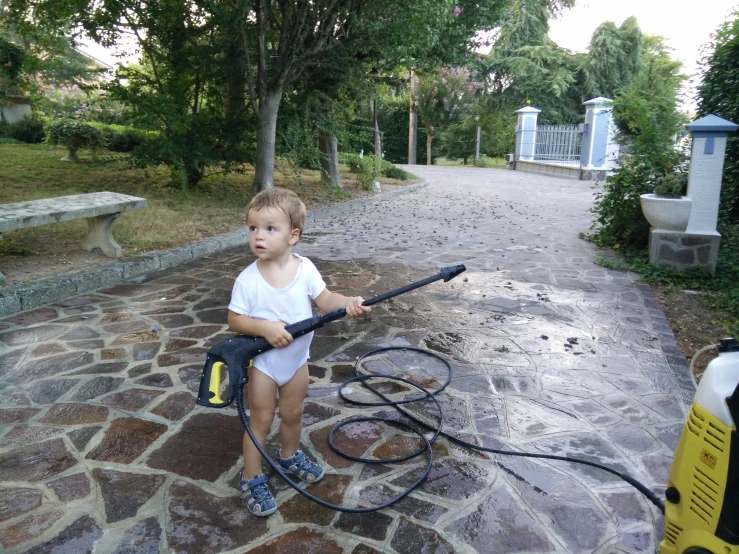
[{"x": 103, "y": 449}]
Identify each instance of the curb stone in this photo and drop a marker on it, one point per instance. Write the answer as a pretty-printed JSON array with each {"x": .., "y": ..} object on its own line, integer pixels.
[{"x": 26, "y": 296}]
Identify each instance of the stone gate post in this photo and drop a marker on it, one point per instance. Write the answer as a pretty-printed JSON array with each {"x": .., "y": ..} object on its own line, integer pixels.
[
  {"x": 526, "y": 133},
  {"x": 698, "y": 245},
  {"x": 599, "y": 146}
]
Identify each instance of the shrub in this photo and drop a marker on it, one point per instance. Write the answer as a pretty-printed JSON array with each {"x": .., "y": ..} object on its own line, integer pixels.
[
  {"x": 27, "y": 129},
  {"x": 119, "y": 138},
  {"x": 485, "y": 161},
  {"x": 672, "y": 185},
  {"x": 352, "y": 160},
  {"x": 74, "y": 135},
  {"x": 395, "y": 173},
  {"x": 126, "y": 140},
  {"x": 73, "y": 102},
  {"x": 648, "y": 120},
  {"x": 363, "y": 168}
]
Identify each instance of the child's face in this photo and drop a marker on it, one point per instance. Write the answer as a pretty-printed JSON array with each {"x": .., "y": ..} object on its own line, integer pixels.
[{"x": 270, "y": 235}]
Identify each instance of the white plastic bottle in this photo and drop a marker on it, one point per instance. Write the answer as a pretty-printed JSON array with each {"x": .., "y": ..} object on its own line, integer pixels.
[{"x": 719, "y": 381}]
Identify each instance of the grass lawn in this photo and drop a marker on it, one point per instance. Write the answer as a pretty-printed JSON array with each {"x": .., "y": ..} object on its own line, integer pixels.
[
  {"x": 173, "y": 217},
  {"x": 485, "y": 162}
]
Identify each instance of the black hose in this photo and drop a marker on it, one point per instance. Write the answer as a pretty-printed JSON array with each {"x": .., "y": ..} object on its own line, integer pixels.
[
  {"x": 651, "y": 496},
  {"x": 426, "y": 448}
]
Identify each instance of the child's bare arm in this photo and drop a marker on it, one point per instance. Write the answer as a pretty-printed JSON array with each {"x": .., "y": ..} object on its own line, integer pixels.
[
  {"x": 273, "y": 331},
  {"x": 329, "y": 301}
]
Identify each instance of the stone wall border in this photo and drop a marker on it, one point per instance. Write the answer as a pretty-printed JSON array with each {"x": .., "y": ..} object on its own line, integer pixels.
[{"x": 27, "y": 296}]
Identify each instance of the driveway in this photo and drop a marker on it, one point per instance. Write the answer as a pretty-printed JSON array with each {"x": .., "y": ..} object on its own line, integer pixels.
[{"x": 102, "y": 446}]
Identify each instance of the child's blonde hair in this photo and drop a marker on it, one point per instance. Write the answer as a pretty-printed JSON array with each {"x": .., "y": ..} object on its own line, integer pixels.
[{"x": 282, "y": 199}]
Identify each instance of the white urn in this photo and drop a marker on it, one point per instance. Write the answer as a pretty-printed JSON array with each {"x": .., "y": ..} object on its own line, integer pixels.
[{"x": 665, "y": 212}]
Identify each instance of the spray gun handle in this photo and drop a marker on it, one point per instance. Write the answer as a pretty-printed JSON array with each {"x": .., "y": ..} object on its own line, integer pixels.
[{"x": 237, "y": 353}]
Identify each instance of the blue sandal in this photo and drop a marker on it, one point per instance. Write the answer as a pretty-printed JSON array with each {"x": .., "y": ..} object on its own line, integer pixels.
[
  {"x": 300, "y": 465},
  {"x": 258, "y": 498}
]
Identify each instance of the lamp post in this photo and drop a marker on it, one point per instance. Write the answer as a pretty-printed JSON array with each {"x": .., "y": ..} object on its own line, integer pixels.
[{"x": 477, "y": 137}]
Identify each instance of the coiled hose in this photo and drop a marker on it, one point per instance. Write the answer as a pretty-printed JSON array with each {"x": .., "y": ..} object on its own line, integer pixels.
[{"x": 426, "y": 448}]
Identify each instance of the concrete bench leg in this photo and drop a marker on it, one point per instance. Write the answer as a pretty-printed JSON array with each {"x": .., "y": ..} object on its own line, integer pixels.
[{"x": 99, "y": 235}]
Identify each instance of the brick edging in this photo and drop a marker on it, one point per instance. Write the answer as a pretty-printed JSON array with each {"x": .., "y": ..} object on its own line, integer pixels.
[{"x": 26, "y": 296}]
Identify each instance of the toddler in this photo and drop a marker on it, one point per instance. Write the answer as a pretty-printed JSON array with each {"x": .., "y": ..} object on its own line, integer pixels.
[{"x": 274, "y": 291}]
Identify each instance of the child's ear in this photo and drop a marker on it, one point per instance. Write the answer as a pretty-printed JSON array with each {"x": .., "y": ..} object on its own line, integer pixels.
[{"x": 294, "y": 236}]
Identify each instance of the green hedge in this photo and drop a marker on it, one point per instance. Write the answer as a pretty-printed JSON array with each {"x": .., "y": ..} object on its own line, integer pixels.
[
  {"x": 27, "y": 129},
  {"x": 120, "y": 138},
  {"x": 396, "y": 173},
  {"x": 32, "y": 130}
]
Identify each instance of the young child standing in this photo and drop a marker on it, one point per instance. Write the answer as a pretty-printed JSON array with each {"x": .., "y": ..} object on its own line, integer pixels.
[{"x": 274, "y": 291}]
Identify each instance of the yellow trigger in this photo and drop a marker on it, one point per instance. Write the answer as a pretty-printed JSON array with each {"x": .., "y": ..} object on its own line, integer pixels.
[{"x": 215, "y": 383}]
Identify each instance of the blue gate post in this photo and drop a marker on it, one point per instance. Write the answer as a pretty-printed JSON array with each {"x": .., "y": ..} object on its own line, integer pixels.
[
  {"x": 526, "y": 133},
  {"x": 599, "y": 147}
]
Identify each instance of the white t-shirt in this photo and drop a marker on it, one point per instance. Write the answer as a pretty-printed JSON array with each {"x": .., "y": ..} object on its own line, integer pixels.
[{"x": 254, "y": 297}]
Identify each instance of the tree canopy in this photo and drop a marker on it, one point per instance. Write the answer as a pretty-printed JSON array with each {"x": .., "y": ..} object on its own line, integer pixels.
[
  {"x": 718, "y": 94},
  {"x": 205, "y": 55},
  {"x": 524, "y": 64}
]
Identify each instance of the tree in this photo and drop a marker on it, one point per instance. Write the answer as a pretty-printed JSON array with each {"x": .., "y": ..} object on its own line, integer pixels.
[
  {"x": 318, "y": 111},
  {"x": 31, "y": 56},
  {"x": 646, "y": 109},
  {"x": 718, "y": 94},
  {"x": 646, "y": 114},
  {"x": 440, "y": 100},
  {"x": 179, "y": 87},
  {"x": 524, "y": 64},
  {"x": 249, "y": 52},
  {"x": 614, "y": 57},
  {"x": 12, "y": 58},
  {"x": 289, "y": 38},
  {"x": 497, "y": 135}
]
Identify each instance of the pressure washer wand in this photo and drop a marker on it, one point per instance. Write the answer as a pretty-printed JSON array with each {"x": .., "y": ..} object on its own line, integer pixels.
[
  {"x": 236, "y": 353},
  {"x": 445, "y": 273}
]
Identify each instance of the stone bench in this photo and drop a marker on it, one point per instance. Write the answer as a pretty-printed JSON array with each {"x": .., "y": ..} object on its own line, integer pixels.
[{"x": 100, "y": 209}]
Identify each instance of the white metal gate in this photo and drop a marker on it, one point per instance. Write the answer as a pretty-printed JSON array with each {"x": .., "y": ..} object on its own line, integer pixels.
[{"x": 559, "y": 144}]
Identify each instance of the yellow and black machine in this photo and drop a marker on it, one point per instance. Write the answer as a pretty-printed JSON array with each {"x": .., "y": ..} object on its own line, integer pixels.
[{"x": 702, "y": 508}]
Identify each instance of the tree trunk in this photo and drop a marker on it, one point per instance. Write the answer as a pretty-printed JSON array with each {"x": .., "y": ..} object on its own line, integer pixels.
[
  {"x": 264, "y": 169},
  {"x": 412, "y": 126},
  {"x": 235, "y": 97},
  {"x": 378, "y": 151},
  {"x": 429, "y": 140},
  {"x": 193, "y": 174},
  {"x": 329, "y": 160}
]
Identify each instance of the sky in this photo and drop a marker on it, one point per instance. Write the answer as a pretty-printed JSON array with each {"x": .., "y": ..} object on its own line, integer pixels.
[{"x": 686, "y": 25}]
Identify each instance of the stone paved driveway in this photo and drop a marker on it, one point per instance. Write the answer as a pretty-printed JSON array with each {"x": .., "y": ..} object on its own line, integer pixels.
[{"x": 102, "y": 447}]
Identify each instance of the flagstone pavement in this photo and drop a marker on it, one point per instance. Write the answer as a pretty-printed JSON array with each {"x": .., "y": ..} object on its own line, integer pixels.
[{"x": 102, "y": 448}]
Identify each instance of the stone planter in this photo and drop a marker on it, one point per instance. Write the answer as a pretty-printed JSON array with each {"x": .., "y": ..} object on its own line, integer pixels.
[{"x": 666, "y": 213}]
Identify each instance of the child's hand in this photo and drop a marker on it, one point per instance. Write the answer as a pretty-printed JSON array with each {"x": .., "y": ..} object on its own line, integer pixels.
[
  {"x": 274, "y": 332},
  {"x": 354, "y": 307}
]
